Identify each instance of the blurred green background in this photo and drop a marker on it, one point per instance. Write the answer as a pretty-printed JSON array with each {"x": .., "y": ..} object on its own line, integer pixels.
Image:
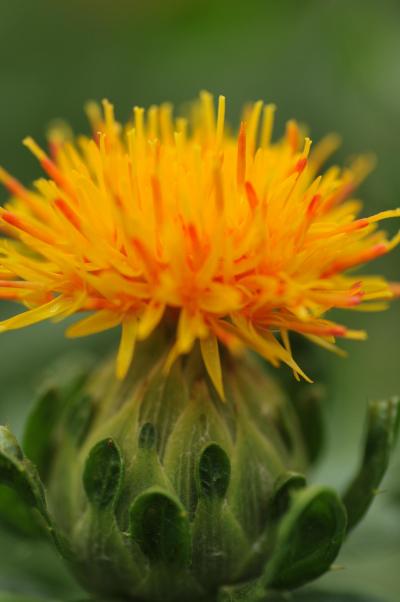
[{"x": 333, "y": 64}]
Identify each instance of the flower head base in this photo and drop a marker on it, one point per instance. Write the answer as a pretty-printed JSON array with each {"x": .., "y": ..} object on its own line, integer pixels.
[
  {"x": 239, "y": 238},
  {"x": 152, "y": 489}
]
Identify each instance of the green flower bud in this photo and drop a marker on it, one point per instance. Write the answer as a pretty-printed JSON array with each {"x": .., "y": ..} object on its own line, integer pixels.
[{"x": 156, "y": 489}]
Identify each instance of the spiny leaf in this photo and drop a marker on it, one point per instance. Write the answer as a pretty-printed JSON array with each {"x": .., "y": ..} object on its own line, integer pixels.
[
  {"x": 308, "y": 539},
  {"x": 382, "y": 426}
]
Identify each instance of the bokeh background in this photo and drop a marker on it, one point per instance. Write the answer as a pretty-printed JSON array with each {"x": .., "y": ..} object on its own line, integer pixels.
[{"x": 333, "y": 64}]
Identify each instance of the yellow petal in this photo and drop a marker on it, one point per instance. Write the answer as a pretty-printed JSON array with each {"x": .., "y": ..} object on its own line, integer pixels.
[
  {"x": 101, "y": 320},
  {"x": 127, "y": 345},
  {"x": 149, "y": 319},
  {"x": 325, "y": 344},
  {"x": 190, "y": 327},
  {"x": 221, "y": 299},
  {"x": 32, "y": 316},
  {"x": 210, "y": 353}
]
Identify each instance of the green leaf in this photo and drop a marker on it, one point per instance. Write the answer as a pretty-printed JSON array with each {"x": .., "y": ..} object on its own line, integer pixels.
[
  {"x": 382, "y": 427},
  {"x": 308, "y": 539},
  {"x": 160, "y": 526},
  {"x": 143, "y": 470},
  {"x": 284, "y": 487},
  {"x": 63, "y": 401},
  {"x": 220, "y": 546},
  {"x": 39, "y": 430},
  {"x": 62, "y": 383},
  {"x": 19, "y": 473},
  {"x": 103, "y": 474}
]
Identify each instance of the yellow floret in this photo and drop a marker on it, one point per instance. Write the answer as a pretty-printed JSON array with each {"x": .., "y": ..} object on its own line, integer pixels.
[{"x": 238, "y": 238}]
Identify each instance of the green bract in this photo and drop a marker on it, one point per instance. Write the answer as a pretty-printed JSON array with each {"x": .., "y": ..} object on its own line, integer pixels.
[{"x": 157, "y": 490}]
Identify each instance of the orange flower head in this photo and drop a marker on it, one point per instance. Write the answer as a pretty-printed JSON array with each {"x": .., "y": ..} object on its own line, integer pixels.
[{"x": 239, "y": 238}]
